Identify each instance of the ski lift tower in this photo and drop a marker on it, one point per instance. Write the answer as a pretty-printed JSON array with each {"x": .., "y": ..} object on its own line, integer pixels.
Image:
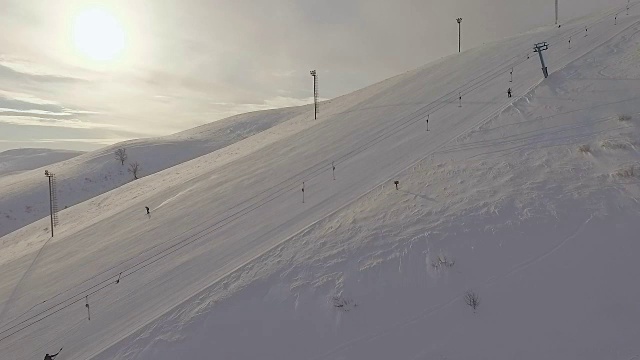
[
  {"x": 539, "y": 48},
  {"x": 53, "y": 199},
  {"x": 459, "y": 20},
  {"x": 315, "y": 93}
]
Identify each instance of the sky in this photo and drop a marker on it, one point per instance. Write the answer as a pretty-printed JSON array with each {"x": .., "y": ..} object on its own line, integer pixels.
[{"x": 80, "y": 74}]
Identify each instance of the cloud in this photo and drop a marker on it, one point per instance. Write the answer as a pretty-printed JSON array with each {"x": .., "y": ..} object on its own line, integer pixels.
[
  {"x": 26, "y": 98},
  {"x": 21, "y": 71},
  {"x": 25, "y": 109},
  {"x": 21, "y": 105},
  {"x": 53, "y": 122},
  {"x": 98, "y": 141},
  {"x": 194, "y": 62},
  {"x": 230, "y": 109},
  {"x": 284, "y": 73},
  {"x": 41, "y": 113}
]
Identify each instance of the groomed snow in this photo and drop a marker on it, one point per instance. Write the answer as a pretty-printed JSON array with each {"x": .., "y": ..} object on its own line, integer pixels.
[{"x": 531, "y": 202}]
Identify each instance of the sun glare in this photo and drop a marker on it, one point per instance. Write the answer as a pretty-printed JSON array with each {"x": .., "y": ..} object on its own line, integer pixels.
[{"x": 98, "y": 35}]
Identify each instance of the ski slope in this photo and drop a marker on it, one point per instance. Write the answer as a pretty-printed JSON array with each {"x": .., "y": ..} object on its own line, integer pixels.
[
  {"x": 25, "y": 199},
  {"x": 496, "y": 197}
]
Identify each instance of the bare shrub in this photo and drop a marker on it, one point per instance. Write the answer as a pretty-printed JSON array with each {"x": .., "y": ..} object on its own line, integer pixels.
[
  {"x": 134, "y": 168},
  {"x": 625, "y": 172},
  {"x": 121, "y": 155},
  {"x": 615, "y": 144},
  {"x": 472, "y": 299},
  {"x": 343, "y": 304},
  {"x": 585, "y": 149},
  {"x": 624, "y": 117},
  {"x": 442, "y": 261}
]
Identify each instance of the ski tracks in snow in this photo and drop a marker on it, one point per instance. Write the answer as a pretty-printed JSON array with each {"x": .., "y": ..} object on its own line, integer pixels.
[
  {"x": 544, "y": 255},
  {"x": 381, "y": 332},
  {"x": 9, "y": 302}
]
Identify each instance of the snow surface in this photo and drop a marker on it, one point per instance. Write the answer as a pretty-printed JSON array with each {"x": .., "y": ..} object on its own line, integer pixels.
[
  {"x": 25, "y": 197},
  {"x": 17, "y": 160},
  {"x": 531, "y": 202}
]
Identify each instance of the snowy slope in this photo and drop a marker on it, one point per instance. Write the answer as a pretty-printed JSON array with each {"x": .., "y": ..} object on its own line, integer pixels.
[
  {"x": 24, "y": 197},
  {"x": 17, "y": 160},
  {"x": 497, "y": 197}
]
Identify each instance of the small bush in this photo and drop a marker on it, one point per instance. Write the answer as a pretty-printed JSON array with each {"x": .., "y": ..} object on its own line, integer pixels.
[
  {"x": 625, "y": 172},
  {"x": 615, "y": 144},
  {"x": 472, "y": 299},
  {"x": 585, "y": 149},
  {"x": 624, "y": 118},
  {"x": 442, "y": 260},
  {"x": 343, "y": 304}
]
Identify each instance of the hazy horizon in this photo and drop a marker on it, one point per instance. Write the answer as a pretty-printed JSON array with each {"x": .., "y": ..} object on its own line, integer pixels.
[{"x": 80, "y": 75}]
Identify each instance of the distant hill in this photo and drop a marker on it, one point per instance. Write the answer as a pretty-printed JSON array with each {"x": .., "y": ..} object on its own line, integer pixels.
[{"x": 17, "y": 160}]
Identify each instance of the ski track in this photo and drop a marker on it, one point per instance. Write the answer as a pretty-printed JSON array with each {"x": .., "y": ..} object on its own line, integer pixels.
[{"x": 9, "y": 302}]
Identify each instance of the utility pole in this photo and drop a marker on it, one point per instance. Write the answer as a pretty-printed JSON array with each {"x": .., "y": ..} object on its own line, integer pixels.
[
  {"x": 511, "y": 76},
  {"x": 628, "y": 3},
  {"x": 539, "y": 48},
  {"x": 315, "y": 93},
  {"x": 459, "y": 20},
  {"x": 428, "y": 122},
  {"x": 86, "y": 304},
  {"x": 556, "y": 12},
  {"x": 53, "y": 202},
  {"x": 460, "y": 99}
]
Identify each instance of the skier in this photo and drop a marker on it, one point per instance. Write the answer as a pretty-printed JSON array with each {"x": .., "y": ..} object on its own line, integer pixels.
[
  {"x": 509, "y": 92},
  {"x": 146, "y": 207},
  {"x": 51, "y": 357}
]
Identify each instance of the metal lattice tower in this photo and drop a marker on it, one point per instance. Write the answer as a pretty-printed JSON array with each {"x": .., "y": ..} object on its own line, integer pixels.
[
  {"x": 316, "y": 108},
  {"x": 54, "y": 200}
]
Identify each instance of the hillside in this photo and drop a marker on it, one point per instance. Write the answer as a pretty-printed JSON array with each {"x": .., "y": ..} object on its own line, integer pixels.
[
  {"x": 24, "y": 197},
  {"x": 531, "y": 202},
  {"x": 18, "y": 160}
]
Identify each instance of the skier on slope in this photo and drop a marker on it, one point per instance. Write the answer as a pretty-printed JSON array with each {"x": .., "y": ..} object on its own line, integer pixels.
[
  {"x": 509, "y": 92},
  {"x": 51, "y": 357},
  {"x": 146, "y": 207}
]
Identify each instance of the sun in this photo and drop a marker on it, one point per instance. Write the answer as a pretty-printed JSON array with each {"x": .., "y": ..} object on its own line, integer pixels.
[{"x": 98, "y": 35}]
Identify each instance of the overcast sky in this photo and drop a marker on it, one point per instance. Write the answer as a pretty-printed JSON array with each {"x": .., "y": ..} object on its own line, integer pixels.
[{"x": 80, "y": 74}]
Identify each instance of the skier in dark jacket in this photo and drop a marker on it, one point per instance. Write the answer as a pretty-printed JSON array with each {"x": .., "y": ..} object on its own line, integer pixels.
[
  {"x": 51, "y": 357},
  {"x": 146, "y": 207},
  {"x": 509, "y": 92}
]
